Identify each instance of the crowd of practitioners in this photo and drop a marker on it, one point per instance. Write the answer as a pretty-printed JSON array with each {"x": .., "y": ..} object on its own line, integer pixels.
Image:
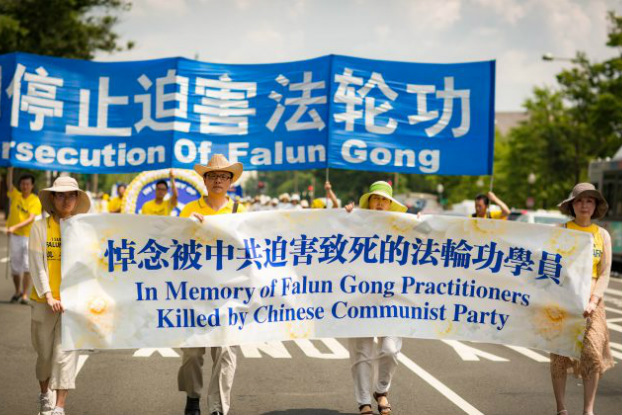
[{"x": 35, "y": 255}]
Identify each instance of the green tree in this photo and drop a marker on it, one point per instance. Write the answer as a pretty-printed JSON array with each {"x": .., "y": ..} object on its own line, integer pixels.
[
  {"x": 568, "y": 126},
  {"x": 64, "y": 28}
]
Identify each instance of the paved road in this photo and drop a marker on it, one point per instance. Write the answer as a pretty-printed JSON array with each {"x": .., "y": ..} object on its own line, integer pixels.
[{"x": 306, "y": 377}]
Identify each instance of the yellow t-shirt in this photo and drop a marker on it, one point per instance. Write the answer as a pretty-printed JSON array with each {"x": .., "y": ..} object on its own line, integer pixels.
[
  {"x": 114, "y": 204},
  {"x": 52, "y": 253},
  {"x": 199, "y": 206},
  {"x": 21, "y": 209},
  {"x": 496, "y": 214},
  {"x": 598, "y": 243},
  {"x": 318, "y": 203},
  {"x": 152, "y": 208}
]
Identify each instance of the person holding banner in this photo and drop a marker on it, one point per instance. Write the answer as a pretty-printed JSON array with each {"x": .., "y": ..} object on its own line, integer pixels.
[
  {"x": 158, "y": 206},
  {"x": 25, "y": 207},
  {"x": 218, "y": 175},
  {"x": 482, "y": 203},
  {"x": 55, "y": 368},
  {"x": 585, "y": 204},
  {"x": 322, "y": 202},
  {"x": 369, "y": 360},
  {"x": 114, "y": 204}
]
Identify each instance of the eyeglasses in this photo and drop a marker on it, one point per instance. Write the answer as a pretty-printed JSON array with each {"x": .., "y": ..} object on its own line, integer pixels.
[
  {"x": 223, "y": 176},
  {"x": 65, "y": 195}
]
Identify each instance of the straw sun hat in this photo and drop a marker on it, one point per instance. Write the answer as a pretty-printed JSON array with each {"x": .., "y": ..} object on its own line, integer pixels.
[
  {"x": 61, "y": 185},
  {"x": 383, "y": 189},
  {"x": 219, "y": 162},
  {"x": 585, "y": 190}
]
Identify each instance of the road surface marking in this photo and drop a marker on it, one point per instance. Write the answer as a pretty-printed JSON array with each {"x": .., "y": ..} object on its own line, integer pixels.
[
  {"x": 438, "y": 385},
  {"x": 471, "y": 354}
]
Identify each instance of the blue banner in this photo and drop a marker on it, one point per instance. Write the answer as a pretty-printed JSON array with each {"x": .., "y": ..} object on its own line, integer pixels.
[
  {"x": 332, "y": 111},
  {"x": 412, "y": 117}
]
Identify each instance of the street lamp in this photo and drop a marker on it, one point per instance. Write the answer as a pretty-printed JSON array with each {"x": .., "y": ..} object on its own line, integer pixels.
[
  {"x": 549, "y": 57},
  {"x": 439, "y": 189},
  {"x": 531, "y": 179}
]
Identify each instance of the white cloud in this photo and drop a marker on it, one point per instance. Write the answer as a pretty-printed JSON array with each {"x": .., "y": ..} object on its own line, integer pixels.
[
  {"x": 144, "y": 8},
  {"x": 432, "y": 15},
  {"x": 382, "y": 31},
  {"x": 511, "y": 11},
  {"x": 515, "y": 32},
  {"x": 569, "y": 24},
  {"x": 296, "y": 8},
  {"x": 242, "y": 4}
]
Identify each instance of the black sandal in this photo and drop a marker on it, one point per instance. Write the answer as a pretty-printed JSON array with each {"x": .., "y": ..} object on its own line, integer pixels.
[
  {"x": 382, "y": 409},
  {"x": 370, "y": 412}
]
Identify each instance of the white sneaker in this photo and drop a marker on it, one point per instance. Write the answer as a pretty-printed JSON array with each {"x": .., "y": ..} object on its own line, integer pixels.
[
  {"x": 46, "y": 403},
  {"x": 57, "y": 412}
]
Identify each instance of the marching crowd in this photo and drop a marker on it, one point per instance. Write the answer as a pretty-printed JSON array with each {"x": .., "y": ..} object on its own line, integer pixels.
[{"x": 35, "y": 255}]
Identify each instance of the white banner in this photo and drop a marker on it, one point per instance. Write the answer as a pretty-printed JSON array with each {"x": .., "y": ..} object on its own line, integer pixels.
[{"x": 143, "y": 281}]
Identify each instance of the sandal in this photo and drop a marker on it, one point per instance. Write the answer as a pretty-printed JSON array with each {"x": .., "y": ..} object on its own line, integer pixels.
[
  {"x": 368, "y": 412},
  {"x": 383, "y": 409}
]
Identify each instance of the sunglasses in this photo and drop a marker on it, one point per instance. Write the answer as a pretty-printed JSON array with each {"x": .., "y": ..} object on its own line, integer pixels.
[{"x": 221, "y": 176}]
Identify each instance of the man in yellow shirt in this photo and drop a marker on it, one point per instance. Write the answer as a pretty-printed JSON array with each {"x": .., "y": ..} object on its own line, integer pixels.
[
  {"x": 25, "y": 207},
  {"x": 218, "y": 176},
  {"x": 159, "y": 206},
  {"x": 482, "y": 202},
  {"x": 114, "y": 204},
  {"x": 320, "y": 202}
]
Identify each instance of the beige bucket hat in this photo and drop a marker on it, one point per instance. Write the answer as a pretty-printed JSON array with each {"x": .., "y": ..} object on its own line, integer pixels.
[
  {"x": 64, "y": 184},
  {"x": 583, "y": 190},
  {"x": 219, "y": 162}
]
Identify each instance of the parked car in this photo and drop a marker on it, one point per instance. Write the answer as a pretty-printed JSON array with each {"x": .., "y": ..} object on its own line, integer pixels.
[
  {"x": 543, "y": 217},
  {"x": 515, "y": 214},
  {"x": 420, "y": 202}
]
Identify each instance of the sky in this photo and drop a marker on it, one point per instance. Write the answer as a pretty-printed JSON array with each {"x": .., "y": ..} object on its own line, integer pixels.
[{"x": 516, "y": 33}]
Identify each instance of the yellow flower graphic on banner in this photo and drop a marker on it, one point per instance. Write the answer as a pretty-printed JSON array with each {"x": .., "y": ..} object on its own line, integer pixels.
[
  {"x": 401, "y": 226},
  {"x": 484, "y": 228},
  {"x": 549, "y": 321},
  {"x": 444, "y": 328},
  {"x": 299, "y": 329},
  {"x": 578, "y": 333},
  {"x": 563, "y": 243}
]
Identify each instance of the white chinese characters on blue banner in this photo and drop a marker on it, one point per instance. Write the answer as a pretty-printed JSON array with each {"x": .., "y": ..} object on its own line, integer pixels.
[{"x": 332, "y": 111}]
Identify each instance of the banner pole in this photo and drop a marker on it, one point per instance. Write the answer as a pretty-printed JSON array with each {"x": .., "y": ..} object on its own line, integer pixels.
[
  {"x": 492, "y": 180},
  {"x": 325, "y": 191}
]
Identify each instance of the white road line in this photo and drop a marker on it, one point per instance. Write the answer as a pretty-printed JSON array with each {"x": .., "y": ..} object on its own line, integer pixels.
[
  {"x": 613, "y": 292},
  {"x": 614, "y": 353},
  {"x": 336, "y": 350},
  {"x": 613, "y": 310},
  {"x": 81, "y": 360},
  {"x": 3, "y": 260},
  {"x": 471, "y": 354},
  {"x": 438, "y": 385},
  {"x": 147, "y": 352},
  {"x": 275, "y": 350},
  {"x": 614, "y": 327},
  {"x": 530, "y": 354}
]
